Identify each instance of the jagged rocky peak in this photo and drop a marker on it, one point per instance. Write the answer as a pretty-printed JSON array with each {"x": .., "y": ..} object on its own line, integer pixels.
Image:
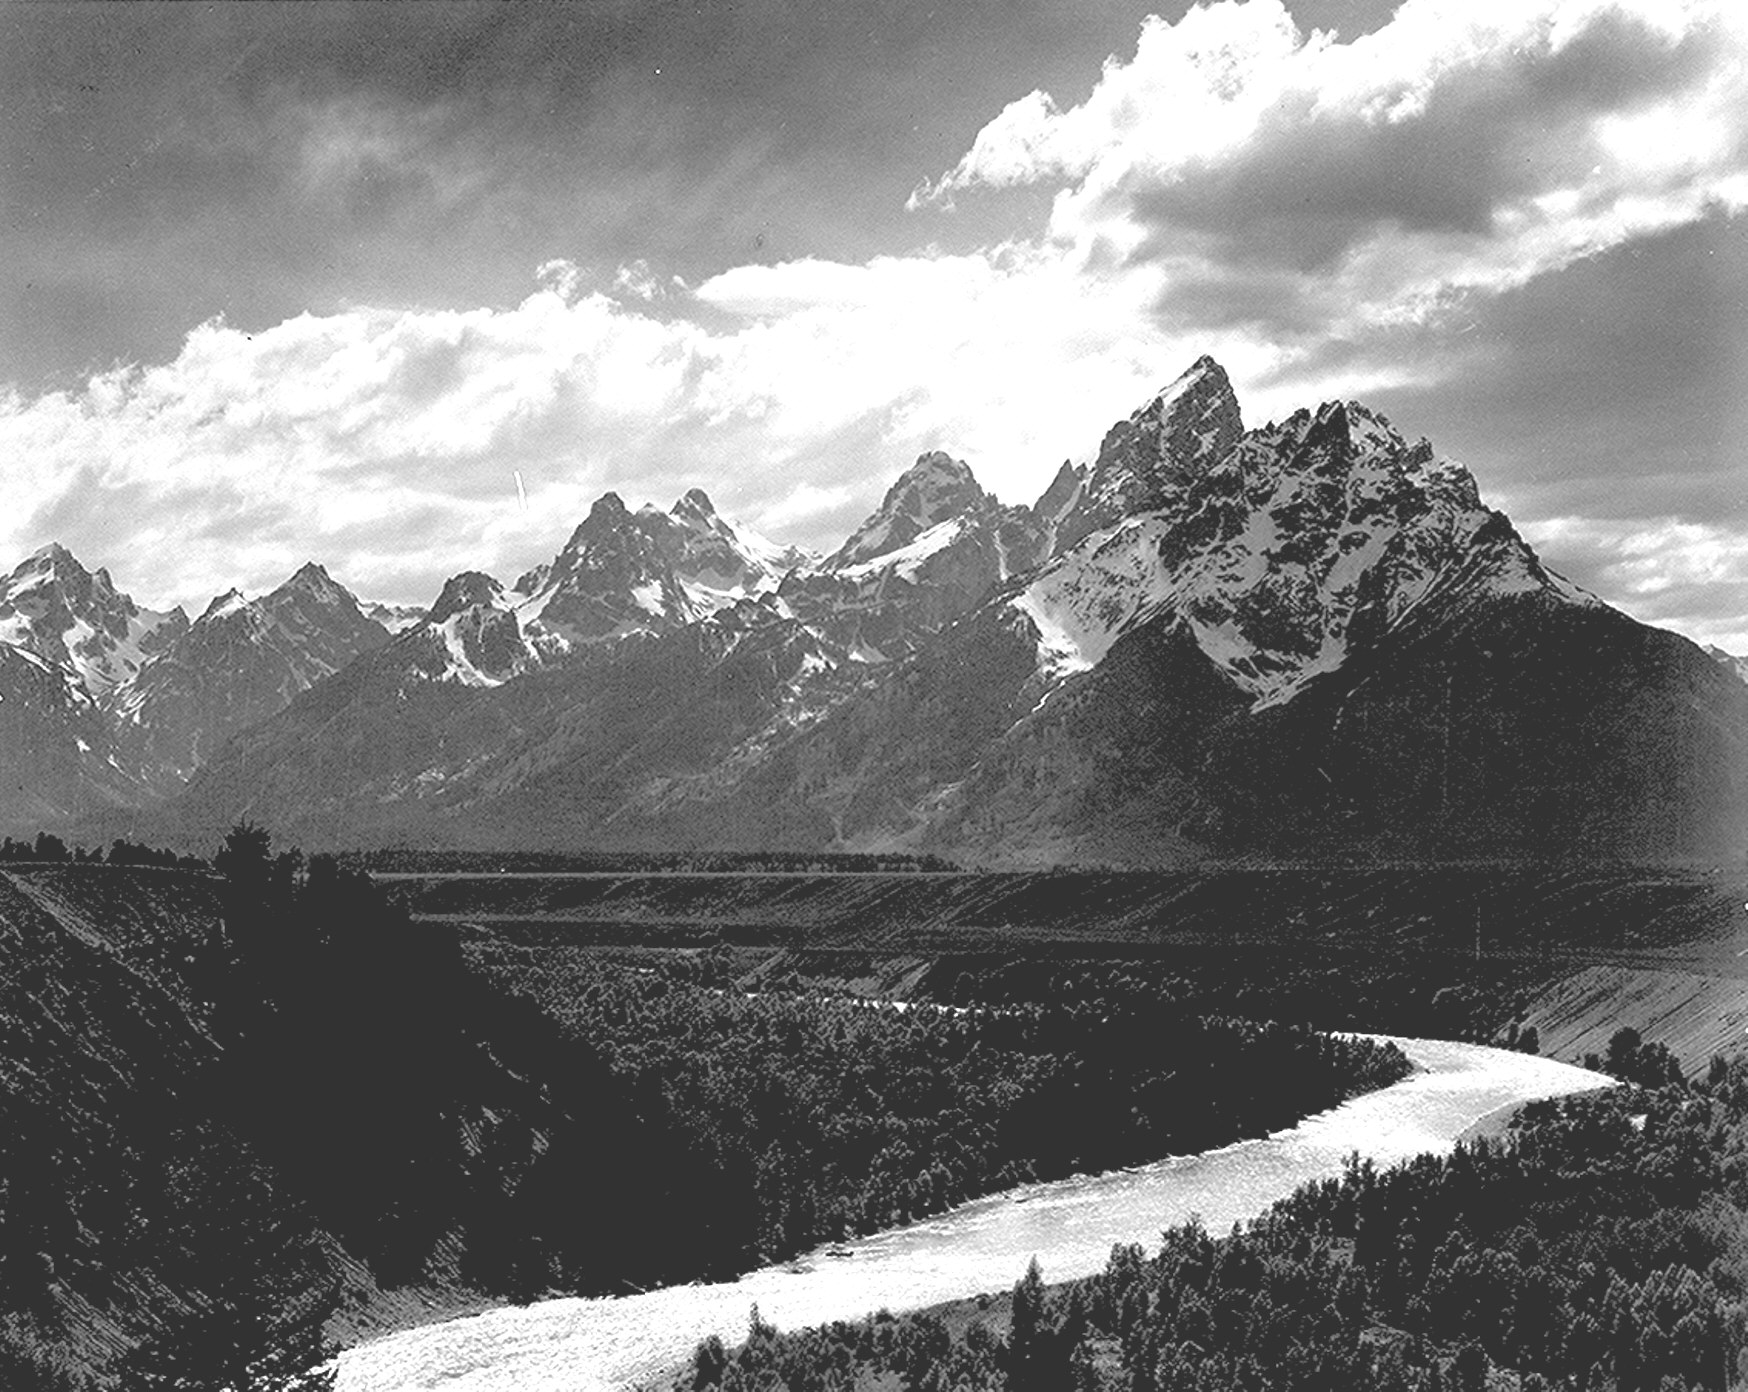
[
  {"x": 694, "y": 506},
  {"x": 706, "y": 549},
  {"x": 223, "y": 606},
  {"x": 1055, "y": 501},
  {"x": 53, "y": 606},
  {"x": 1301, "y": 540},
  {"x": 608, "y": 508},
  {"x": 612, "y": 545},
  {"x": 471, "y": 589},
  {"x": 313, "y": 579},
  {"x": 52, "y": 578},
  {"x": 1349, "y": 443},
  {"x": 935, "y": 489},
  {"x": 1147, "y": 461}
]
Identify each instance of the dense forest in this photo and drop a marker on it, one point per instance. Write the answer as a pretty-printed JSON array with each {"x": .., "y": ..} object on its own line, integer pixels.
[
  {"x": 1601, "y": 1244},
  {"x": 1335, "y": 986},
  {"x": 208, "y": 1138}
]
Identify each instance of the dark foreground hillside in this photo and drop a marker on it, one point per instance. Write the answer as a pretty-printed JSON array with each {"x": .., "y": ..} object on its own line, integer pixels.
[{"x": 240, "y": 1110}]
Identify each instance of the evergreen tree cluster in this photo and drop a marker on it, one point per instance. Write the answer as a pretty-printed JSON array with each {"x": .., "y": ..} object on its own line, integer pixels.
[
  {"x": 1601, "y": 1246},
  {"x": 1330, "y": 985}
]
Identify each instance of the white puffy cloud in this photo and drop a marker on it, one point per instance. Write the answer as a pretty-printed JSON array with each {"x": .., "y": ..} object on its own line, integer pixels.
[
  {"x": 1318, "y": 189},
  {"x": 382, "y": 442}
]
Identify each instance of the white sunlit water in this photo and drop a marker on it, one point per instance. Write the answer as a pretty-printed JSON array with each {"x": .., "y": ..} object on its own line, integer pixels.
[{"x": 1069, "y": 1225}]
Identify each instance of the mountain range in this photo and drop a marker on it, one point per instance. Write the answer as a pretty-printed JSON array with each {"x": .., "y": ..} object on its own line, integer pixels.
[{"x": 1306, "y": 639}]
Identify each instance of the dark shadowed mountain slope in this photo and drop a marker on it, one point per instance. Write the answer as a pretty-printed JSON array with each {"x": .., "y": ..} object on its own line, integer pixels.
[
  {"x": 56, "y": 759},
  {"x": 389, "y": 750},
  {"x": 239, "y": 662}
]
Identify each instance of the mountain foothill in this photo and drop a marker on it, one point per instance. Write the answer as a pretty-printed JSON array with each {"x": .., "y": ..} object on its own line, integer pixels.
[{"x": 1310, "y": 639}]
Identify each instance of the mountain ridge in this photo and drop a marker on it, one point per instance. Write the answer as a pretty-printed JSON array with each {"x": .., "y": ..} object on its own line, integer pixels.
[{"x": 1106, "y": 674}]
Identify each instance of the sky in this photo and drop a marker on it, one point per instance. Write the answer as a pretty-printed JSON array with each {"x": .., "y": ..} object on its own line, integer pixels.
[{"x": 312, "y": 281}]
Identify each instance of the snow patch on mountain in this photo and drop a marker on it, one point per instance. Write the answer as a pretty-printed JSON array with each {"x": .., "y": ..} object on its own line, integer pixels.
[
  {"x": 907, "y": 559},
  {"x": 396, "y": 618},
  {"x": 77, "y": 620},
  {"x": 649, "y": 571}
]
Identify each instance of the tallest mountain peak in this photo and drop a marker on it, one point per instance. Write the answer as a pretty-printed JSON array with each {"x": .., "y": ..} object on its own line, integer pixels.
[
  {"x": 1202, "y": 385},
  {"x": 1177, "y": 436}
]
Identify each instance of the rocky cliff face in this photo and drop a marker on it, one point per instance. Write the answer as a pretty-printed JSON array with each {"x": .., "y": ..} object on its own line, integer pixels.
[
  {"x": 241, "y": 661},
  {"x": 1147, "y": 461},
  {"x": 1302, "y": 540},
  {"x": 936, "y": 546},
  {"x": 624, "y": 573},
  {"x": 78, "y": 621},
  {"x": 112, "y": 705}
]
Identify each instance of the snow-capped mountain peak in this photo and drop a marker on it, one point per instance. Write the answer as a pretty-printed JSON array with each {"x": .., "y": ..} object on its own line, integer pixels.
[
  {"x": 1158, "y": 451},
  {"x": 78, "y": 621},
  {"x": 473, "y": 633},
  {"x": 625, "y": 572},
  {"x": 933, "y": 490},
  {"x": 313, "y": 579},
  {"x": 468, "y": 590},
  {"x": 223, "y": 605},
  {"x": 1276, "y": 555}
]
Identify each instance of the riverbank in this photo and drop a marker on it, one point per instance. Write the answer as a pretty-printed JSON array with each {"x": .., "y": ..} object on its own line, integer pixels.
[{"x": 1070, "y": 1226}]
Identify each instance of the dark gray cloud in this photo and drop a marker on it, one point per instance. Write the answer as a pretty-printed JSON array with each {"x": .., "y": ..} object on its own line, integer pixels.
[
  {"x": 160, "y": 164},
  {"x": 1616, "y": 388},
  {"x": 1312, "y": 185},
  {"x": 1605, "y": 407}
]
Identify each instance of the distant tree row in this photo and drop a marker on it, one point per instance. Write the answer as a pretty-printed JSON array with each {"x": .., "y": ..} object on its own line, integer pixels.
[
  {"x": 49, "y": 847},
  {"x": 646, "y": 862},
  {"x": 1327, "y": 986}
]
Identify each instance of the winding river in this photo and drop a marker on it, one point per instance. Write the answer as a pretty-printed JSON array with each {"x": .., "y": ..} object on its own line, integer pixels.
[{"x": 1070, "y": 1226}]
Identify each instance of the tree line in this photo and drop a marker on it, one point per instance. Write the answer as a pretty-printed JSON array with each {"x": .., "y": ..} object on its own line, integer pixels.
[{"x": 51, "y": 849}]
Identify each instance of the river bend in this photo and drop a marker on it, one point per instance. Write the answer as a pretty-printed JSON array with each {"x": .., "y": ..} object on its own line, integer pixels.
[{"x": 575, "y": 1345}]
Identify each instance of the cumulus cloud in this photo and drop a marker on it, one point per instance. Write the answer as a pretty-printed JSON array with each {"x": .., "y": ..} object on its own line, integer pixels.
[
  {"x": 392, "y": 437},
  {"x": 1462, "y": 149}
]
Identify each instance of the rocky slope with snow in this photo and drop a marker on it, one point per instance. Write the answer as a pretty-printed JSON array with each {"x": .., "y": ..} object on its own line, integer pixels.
[
  {"x": 105, "y": 704},
  {"x": 78, "y": 621},
  {"x": 241, "y": 661},
  {"x": 935, "y": 547}
]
